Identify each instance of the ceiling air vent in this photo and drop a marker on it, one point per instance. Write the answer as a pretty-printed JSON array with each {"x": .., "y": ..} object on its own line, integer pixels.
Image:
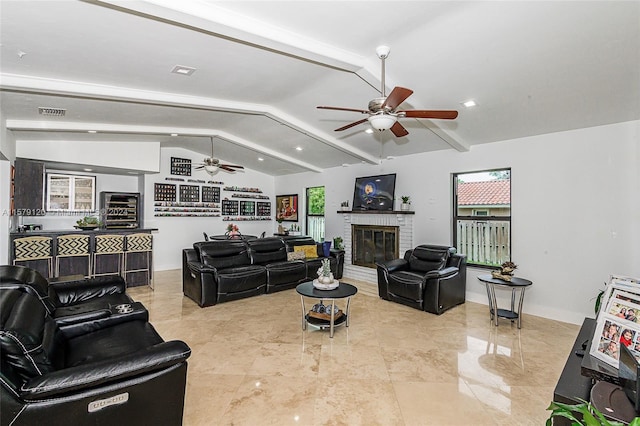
[{"x": 53, "y": 112}]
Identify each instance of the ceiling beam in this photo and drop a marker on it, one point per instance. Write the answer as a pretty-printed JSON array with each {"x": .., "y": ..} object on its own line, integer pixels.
[
  {"x": 58, "y": 126},
  {"x": 14, "y": 82},
  {"x": 214, "y": 20}
]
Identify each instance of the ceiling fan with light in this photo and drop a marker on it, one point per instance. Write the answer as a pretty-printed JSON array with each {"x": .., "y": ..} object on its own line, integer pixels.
[
  {"x": 384, "y": 113},
  {"x": 212, "y": 165}
]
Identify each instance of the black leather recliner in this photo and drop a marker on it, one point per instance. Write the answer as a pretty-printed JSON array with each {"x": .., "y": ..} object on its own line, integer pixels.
[
  {"x": 282, "y": 274},
  {"x": 75, "y": 302},
  {"x": 220, "y": 271},
  {"x": 119, "y": 374},
  {"x": 431, "y": 278}
]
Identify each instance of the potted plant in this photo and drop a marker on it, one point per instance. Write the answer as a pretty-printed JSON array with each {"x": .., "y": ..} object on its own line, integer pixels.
[
  {"x": 338, "y": 243},
  {"x": 406, "y": 202},
  {"x": 279, "y": 219},
  {"x": 88, "y": 223},
  {"x": 344, "y": 206},
  {"x": 590, "y": 415}
]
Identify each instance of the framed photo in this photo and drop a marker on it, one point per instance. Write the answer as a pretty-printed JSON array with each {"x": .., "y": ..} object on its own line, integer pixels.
[
  {"x": 180, "y": 166},
  {"x": 287, "y": 207}
]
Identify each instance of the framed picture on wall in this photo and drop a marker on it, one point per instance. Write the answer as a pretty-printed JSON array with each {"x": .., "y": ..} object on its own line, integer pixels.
[{"x": 287, "y": 207}]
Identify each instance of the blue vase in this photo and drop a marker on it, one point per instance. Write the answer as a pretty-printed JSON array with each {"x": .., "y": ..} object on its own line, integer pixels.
[{"x": 326, "y": 248}]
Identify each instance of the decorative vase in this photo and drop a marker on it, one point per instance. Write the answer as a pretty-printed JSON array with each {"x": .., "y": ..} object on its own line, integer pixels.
[
  {"x": 280, "y": 229},
  {"x": 405, "y": 206}
]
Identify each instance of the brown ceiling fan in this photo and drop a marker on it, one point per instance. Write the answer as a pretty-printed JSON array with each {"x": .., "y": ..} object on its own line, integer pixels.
[
  {"x": 384, "y": 113},
  {"x": 212, "y": 165}
]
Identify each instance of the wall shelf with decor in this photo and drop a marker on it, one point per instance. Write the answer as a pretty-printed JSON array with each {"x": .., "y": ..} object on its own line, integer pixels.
[
  {"x": 242, "y": 189},
  {"x": 245, "y": 218},
  {"x": 260, "y": 197},
  {"x": 185, "y": 209}
]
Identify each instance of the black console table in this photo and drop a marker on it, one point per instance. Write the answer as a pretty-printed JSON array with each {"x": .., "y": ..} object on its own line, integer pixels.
[
  {"x": 581, "y": 372},
  {"x": 572, "y": 385}
]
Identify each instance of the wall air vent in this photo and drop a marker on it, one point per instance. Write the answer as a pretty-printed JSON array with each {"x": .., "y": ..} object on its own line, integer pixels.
[{"x": 53, "y": 112}]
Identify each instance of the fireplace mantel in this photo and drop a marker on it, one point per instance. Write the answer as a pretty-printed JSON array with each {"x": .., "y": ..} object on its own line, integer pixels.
[{"x": 376, "y": 212}]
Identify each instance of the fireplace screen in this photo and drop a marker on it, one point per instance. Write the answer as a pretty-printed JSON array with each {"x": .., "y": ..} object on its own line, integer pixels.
[{"x": 372, "y": 243}]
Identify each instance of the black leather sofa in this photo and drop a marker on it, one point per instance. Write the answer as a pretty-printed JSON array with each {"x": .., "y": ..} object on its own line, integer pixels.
[
  {"x": 431, "y": 278},
  {"x": 121, "y": 373},
  {"x": 220, "y": 271},
  {"x": 74, "y": 303}
]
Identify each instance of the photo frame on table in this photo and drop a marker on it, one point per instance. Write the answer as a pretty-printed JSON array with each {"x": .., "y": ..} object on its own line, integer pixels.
[
  {"x": 617, "y": 322},
  {"x": 287, "y": 207}
]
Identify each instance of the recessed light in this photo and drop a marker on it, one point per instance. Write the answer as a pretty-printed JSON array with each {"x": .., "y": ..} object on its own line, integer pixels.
[
  {"x": 298, "y": 148},
  {"x": 260, "y": 159},
  {"x": 92, "y": 131},
  {"x": 182, "y": 70},
  {"x": 174, "y": 134},
  {"x": 88, "y": 170},
  {"x": 470, "y": 103}
]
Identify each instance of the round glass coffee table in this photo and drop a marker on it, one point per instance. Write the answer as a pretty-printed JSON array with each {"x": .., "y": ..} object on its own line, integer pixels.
[{"x": 344, "y": 291}]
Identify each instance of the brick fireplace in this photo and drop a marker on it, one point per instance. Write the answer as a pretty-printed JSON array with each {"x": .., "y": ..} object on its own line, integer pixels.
[{"x": 401, "y": 221}]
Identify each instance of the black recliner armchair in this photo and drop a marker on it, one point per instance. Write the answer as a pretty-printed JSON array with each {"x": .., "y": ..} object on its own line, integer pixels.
[
  {"x": 120, "y": 374},
  {"x": 75, "y": 303},
  {"x": 431, "y": 278}
]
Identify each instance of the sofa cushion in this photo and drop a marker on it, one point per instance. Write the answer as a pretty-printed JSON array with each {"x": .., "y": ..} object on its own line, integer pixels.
[
  {"x": 267, "y": 250},
  {"x": 310, "y": 252},
  {"x": 223, "y": 254},
  {"x": 296, "y": 255},
  {"x": 427, "y": 258}
]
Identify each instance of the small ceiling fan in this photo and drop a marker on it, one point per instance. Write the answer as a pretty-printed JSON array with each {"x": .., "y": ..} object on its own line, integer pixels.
[
  {"x": 212, "y": 165},
  {"x": 384, "y": 113}
]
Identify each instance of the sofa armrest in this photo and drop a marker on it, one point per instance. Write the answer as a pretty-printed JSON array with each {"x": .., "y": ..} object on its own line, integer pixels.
[
  {"x": 70, "y": 292},
  {"x": 91, "y": 375},
  {"x": 393, "y": 265},
  {"x": 198, "y": 268},
  {"x": 442, "y": 273}
]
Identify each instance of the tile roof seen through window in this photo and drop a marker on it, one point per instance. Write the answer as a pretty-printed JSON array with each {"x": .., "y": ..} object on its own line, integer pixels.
[{"x": 493, "y": 192}]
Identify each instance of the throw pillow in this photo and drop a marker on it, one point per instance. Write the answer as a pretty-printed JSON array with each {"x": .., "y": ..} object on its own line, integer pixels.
[
  {"x": 310, "y": 252},
  {"x": 295, "y": 255}
]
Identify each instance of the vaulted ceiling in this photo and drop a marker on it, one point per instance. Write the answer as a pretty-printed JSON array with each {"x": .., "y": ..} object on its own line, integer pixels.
[{"x": 262, "y": 67}]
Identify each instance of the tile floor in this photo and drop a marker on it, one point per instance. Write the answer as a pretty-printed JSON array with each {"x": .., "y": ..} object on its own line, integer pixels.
[{"x": 252, "y": 364}]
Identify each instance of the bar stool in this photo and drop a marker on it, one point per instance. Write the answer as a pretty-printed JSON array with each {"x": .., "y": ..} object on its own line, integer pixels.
[
  {"x": 140, "y": 243},
  {"x": 73, "y": 245},
  {"x": 108, "y": 245},
  {"x": 34, "y": 248}
]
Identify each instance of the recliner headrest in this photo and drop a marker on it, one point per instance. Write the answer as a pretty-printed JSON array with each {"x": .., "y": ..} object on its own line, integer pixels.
[{"x": 427, "y": 258}]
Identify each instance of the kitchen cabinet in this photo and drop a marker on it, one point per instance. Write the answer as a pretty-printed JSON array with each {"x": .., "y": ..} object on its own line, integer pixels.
[
  {"x": 71, "y": 193},
  {"x": 29, "y": 187}
]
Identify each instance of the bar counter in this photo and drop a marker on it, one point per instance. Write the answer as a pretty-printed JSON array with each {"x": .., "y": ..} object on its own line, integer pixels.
[{"x": 78, "y": 265}]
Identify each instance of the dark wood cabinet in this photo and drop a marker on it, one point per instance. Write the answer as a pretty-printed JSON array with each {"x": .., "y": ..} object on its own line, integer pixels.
[{"x": 29, "y": 187}]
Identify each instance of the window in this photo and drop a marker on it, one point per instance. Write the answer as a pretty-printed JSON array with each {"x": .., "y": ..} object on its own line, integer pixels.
[
  {"x": 315, "y": 213},
  {"x": 482, "y": 216},
  {"x": 71, "y": 193}
]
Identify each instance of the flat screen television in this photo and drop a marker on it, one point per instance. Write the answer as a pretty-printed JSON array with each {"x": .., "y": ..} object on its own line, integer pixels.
[{"x": 374, "y": 192}]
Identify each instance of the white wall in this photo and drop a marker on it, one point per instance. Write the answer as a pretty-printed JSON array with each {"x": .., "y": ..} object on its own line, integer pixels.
[
  {"x": 176, "y": 233},
  {"x": 574, "y": 200},
  {"x": 142, "y": 156},
  {"x": 7, "y": 156}
]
